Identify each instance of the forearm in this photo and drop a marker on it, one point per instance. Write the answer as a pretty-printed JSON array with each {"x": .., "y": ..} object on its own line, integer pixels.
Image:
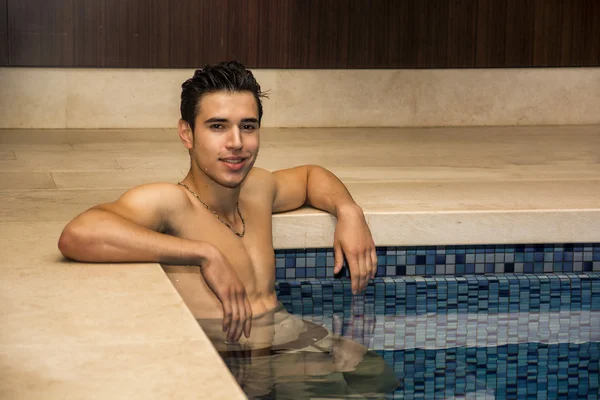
[
  {"x": 326, "y": 192},
  {"x": 102, "y": 236}
]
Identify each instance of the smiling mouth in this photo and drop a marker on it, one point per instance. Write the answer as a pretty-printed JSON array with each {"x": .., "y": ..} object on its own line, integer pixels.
[
  {"x": 234, "y": 164},
  {"x": 234, "y": 161}
]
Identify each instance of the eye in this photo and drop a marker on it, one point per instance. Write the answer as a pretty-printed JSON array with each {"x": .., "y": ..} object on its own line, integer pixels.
[
  {"x": 248, "y": 128},
  {"x": 217, "y": 126}
]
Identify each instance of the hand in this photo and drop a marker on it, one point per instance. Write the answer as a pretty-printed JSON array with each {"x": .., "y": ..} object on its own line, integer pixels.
[
  {"x": 225, "y": 284},
  {"x": 353, "y": 239}
]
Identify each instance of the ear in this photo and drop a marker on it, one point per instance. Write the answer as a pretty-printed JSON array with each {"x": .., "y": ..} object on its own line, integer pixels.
[{"x": 185, "y": 134}]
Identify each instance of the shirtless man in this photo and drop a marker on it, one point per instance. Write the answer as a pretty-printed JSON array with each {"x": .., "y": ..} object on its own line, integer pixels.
[{"x": 212, "y": 232}]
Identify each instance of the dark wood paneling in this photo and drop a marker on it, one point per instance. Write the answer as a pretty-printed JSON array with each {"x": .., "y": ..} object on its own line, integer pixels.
[
  {"x": 41, "y": 32},
  {"x": 318, "y": 33},
  {"x": 585, "y": 33},
  {"x": 491, "y": 33},
  {"x": 549, "y": 32},
  {"x": 462, "y": 33},
  {"x": 114, "y": 33},
  {"x": 302, "y": 33},
  {"x": 3, "y": 32},
  {"x": 367, "y": 33},
  {"x": 275, "y": 34},
  {"x": 432, "y": 20},
  {"x": 519, "y": 44}
]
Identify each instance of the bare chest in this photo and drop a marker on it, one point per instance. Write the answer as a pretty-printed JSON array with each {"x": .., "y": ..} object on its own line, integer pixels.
[{"x": 250, "y": 256}]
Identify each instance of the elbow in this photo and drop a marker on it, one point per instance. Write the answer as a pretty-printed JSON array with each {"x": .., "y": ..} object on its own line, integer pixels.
[{"x": 71, "y": 242}]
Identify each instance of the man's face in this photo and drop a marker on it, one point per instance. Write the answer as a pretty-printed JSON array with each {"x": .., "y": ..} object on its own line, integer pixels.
[{"x": 226, "y": 136}]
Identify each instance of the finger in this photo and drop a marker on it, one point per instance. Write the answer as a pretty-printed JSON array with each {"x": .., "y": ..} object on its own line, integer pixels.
[
  {"x": 362, "y": 265},
  {"x": 243, "y": 314},
  {"x": 374, "y": 261},
  {"x": 368, "y": 268},
  {"x": 248, "y": 324},
  {"x": 226, "y": 313},
  {"x": 371, "y": 266},
  {"x": 235, "y": 319},
  {"x": 339, "y": 258},
  {"x": 239, "y": 329},
  {"x": 354, "y": 273}
]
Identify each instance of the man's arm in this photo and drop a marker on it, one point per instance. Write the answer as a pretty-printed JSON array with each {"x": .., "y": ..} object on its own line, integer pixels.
[
  {"x": 319, "y": 188},
  {"x": 130, "y": 230}
]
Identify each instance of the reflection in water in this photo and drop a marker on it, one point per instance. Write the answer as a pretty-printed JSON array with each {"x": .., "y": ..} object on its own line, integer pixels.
[{"x": 288, "y": 358}]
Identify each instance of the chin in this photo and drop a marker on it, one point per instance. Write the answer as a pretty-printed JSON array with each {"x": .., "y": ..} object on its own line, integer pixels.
[
  {"x": 237, "y": 179},
  {"x": 234, "y": 183},
  {"x": 231, "y": 185}
]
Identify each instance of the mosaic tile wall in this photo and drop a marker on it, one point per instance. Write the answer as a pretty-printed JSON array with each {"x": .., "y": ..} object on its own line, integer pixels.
[
  {"x": 449, "y": 260},
  {"x": 418, "y": 295}
]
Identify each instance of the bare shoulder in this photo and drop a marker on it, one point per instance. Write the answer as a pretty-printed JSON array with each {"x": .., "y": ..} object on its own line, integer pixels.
[
  {"x": 259, "y": 179},
  {"x": 149, "y": 205},
  {"x": 161, "y": 194}
]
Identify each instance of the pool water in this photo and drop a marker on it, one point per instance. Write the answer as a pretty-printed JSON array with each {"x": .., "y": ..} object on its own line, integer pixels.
[
  {"x": 474, "y": 337},
  {"x": 517, "y": 371},
  {"x": 484, "y": 356}
]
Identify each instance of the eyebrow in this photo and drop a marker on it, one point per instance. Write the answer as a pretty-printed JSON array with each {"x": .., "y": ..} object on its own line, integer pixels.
[{"x": 225, "y": 120}]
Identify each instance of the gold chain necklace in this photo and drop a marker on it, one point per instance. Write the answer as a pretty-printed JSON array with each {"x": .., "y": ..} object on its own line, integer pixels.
[{"x": 227, "y": 224}]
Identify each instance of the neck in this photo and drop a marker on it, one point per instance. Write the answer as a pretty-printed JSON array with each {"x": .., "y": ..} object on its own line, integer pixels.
[{"x": 222, "y": 200}]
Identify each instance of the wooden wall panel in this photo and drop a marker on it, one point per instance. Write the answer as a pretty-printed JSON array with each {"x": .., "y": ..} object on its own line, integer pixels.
[
  {"x": 302, "y": 33},
  {"x": 3, "y": 32},
  {"x": 585, "y": 29},
  {"x": 367, "y": 33},
  {"x": 241, "y": 39},
  {"x": 275, "y": 27},
  {"x": 41, "y": 32},
  {"x": 519, "y": 44},
  {"x": 549, "y": 32},
  {"x": 319, "y": 33},
  {"x": 462, "y": 33},
  {"x": 491, "y": 33}
]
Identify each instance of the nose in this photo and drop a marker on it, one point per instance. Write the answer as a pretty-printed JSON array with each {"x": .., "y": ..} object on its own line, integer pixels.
[{"x": 234, "y": 139}]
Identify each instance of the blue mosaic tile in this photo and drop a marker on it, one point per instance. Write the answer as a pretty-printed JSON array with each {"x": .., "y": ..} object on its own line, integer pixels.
[
  {"x": 455, "y": 260},
  {"x": 414, "y": 295}
]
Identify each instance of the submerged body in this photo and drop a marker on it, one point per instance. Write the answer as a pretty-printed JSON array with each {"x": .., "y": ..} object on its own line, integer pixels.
[{"x": 288, "y": 358}]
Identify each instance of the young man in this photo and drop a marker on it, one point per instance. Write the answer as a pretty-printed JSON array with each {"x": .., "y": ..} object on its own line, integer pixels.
[{"x": 212, "y": 231}]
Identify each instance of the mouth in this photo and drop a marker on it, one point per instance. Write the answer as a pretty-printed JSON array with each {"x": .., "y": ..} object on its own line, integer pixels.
[{"x": 234, "y": 163}]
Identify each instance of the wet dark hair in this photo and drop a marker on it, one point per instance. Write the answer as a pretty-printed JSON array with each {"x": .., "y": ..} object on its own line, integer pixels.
[{"x": 230, "y": 76}]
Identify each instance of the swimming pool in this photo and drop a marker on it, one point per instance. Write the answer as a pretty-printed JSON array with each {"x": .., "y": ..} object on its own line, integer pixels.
[{"x": 490, "y": 336}]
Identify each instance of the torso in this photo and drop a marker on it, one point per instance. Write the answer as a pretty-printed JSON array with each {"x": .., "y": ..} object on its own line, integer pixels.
[{"x": 251, "y": 256}]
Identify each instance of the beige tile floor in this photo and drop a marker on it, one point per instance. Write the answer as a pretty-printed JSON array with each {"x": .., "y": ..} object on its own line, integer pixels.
[{"x": 114, "y": 331}]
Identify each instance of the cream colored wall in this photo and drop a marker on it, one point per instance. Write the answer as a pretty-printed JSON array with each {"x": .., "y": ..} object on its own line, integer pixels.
[{"x": 146, "y": 98}]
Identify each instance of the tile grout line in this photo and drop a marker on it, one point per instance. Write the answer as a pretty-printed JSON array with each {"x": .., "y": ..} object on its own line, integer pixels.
[
  {"x": 118, "y": 163},
  {"x": 53, "y": 180}
]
